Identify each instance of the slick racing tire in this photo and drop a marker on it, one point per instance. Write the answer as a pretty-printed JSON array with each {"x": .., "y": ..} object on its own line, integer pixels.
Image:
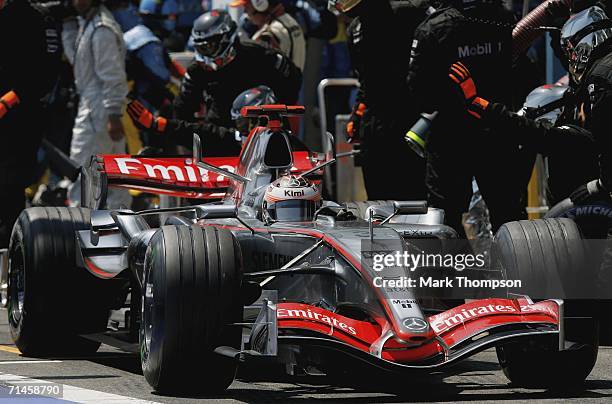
[
  {"x": 593, "y": 219},
  {"x": 542, "y": 251},
  {"x": 193, "y": 277},
  {"x": 50, "y": 300}
]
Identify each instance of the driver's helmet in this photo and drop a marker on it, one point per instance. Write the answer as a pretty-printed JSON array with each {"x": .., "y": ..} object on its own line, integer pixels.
[
  {"x": 261, "y": 95},
  {"x": 214, "y": 36},
  {"x": 291, "y": 198},
  {"x": 582, "y": 36}
]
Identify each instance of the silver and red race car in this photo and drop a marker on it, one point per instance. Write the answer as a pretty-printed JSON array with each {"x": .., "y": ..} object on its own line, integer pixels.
[{"x": 259, "y": 268}]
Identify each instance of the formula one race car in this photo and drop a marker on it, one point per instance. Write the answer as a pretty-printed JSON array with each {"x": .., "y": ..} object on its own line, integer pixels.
[{"x": 264, "y": 269}]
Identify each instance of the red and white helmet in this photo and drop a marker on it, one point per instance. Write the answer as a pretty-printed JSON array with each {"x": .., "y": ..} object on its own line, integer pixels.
[{"x": 291, "y": 199}]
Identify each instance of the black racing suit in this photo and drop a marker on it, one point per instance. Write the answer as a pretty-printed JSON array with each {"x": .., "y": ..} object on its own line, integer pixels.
[
  {"x": 594, "y": 106},
  {"x": 390, "y": 169},
  {"x": 218, "y": 140},
  {"x": 593, "y": 98},
  {"x": 459, "y": 149},
  {"x": 31, "y": 50},
  {"x": 571, "y": 159},
  {"x": 255, "y": 64}
]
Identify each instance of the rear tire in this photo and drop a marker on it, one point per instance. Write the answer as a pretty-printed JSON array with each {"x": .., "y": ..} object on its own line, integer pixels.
[
  {"x": 538, "y": 251},
  {"x": 192, "y": 285},
  {"x": 50, "y": 300}
]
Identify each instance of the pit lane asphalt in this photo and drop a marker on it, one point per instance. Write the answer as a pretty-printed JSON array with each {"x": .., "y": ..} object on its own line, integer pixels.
[{"x": 476, "y": 380}]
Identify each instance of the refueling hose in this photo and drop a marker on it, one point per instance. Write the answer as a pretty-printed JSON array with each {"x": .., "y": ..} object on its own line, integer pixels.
[{"x": 526, "y": 30}]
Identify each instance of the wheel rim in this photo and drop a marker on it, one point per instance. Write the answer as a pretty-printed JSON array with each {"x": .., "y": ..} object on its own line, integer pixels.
[
  {"x": 146, "y": 329},
  {"x": 16, "y": 286}
]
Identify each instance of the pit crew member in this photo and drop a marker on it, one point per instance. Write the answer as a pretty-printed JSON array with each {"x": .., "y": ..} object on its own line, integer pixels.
[
  {"x": 225, "y": 66},
  {"x": 479, "y": 33},
  {"x": 218, "y": 140},
  {"x": 586, "y": 41},
  {"x": 276, "y": 28},
  {"x": 379, "y": 118},
  {"x": 30, "y": 39},
  {"x": 94, "y": 46}
]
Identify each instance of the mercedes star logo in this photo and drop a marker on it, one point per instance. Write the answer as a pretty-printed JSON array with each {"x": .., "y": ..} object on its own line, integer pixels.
[{"x": 415, "y": 324}]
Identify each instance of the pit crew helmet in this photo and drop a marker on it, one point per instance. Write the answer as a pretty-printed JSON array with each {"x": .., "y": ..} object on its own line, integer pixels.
[
  {"x": 260, "y": 95},
  {"x": 291, "y": 198},
  {"x": 214, "y": 37},
  {"x": 581, "y": 36}
]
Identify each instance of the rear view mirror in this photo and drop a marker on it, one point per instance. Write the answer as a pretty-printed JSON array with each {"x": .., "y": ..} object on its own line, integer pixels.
[
  {"x": 224, "y": 211},
  {"x": 410, "y": 207},
  {"x": 217, "y": 211},
  {"x": 399, "y": 208}
]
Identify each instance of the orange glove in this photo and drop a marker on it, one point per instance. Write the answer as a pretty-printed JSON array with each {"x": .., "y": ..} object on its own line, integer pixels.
[
  {"x": 8, "y": 101},
  {"x": 460, "y": 74},
  {"x": 177, "y": 69},
  {"x": 352, "y": 128},
  {"x": 144, "y": 118}
]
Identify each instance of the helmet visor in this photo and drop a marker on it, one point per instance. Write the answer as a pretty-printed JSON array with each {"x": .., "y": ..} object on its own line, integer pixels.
[
  {"x": 212, "y": 46},
  {"x": 579, "y": 51},
  {"x": 295, "y": 210},
  {"x": 581, "y": 35}
]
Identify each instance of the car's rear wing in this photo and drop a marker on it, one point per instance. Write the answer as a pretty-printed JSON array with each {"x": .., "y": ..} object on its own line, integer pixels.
[{"x": 176, "y": 176}]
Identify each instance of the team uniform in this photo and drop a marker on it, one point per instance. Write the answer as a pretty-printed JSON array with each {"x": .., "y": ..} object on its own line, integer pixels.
[
  {"x": 253, "y": 65},
  {"x": 285, "y": 34},
  {"x": 459, "y": 148},
  {"x": 97, "y": 52},
  {"x": 29, "y": 70},
  {"x": 381, "y": 115}
]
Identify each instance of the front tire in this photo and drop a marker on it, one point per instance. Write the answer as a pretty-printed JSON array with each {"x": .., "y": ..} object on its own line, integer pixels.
[
  {"x": 193, "y": 276},
  {"x": 542, "y": 252}
]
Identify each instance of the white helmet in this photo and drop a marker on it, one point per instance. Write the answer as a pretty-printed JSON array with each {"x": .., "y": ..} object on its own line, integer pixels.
[{"x": 291, "y": 199}]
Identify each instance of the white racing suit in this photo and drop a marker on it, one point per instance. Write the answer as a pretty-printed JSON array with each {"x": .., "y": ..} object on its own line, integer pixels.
[
  {"x": 96, "y": 50},
  {"x": 285, "y": 34}
]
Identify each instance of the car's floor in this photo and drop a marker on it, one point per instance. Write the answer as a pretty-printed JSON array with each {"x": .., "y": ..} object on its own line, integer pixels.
[{"x": 113, "y": 377}]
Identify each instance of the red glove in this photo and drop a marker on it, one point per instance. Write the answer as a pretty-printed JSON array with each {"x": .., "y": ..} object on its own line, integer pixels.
[
  {"x": 8, "y": 101},
  {"x": 352, "y": 128},
  {"x": 476, "y": 106},
  {"x": 144, "y": 118}
]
